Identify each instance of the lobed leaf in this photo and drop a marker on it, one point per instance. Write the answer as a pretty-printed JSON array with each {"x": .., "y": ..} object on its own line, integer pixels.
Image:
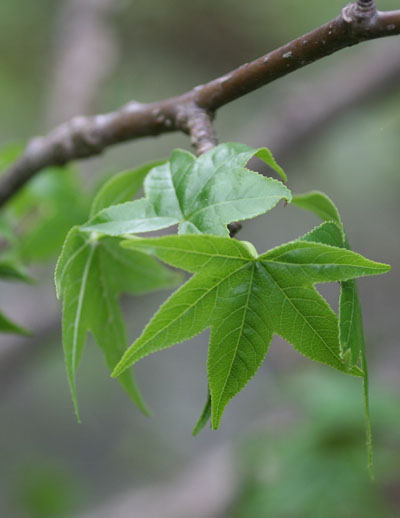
[
  {"x": 351, "y": 329},
  {"x": 91, "y": 274},
  {"x": 245, "y": 299},
  {"x": 202, "y": 195}
]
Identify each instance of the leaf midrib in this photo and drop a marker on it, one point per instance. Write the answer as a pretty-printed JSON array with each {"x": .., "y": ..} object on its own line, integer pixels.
[
  {"x": 195, "y": 252},
  {"x": 80, "y": 303},
  {"x": 245, "y": 307},
  {"x": 133, "y": 352}
]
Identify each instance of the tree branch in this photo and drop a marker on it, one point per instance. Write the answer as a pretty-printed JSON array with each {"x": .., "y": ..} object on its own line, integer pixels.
[
  {"x": 88, "y": 136},
  {"x": 298, "y": 121},
  {"x": 198, "y": 124}
]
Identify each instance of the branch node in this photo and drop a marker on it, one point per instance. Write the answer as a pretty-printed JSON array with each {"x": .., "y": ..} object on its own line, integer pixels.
[
  {"x": 361, "y": 14},
  {"x": 197, "y": 122}
]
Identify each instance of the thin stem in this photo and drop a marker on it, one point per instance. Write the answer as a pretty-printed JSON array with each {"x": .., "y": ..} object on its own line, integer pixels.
[{"x": 198, "y": 124}]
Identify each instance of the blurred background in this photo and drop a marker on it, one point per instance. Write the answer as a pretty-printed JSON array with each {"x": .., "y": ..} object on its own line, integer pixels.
[{"x": 292, "y": 444}]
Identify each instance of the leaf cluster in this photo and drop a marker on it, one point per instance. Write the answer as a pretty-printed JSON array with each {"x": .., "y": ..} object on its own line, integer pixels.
[{"x": 244, "y": 297}]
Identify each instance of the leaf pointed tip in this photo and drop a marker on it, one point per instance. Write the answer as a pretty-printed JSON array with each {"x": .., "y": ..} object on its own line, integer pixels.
[
  {"x": 215, "y": 419},
  {"x": 147, "y": 412},
  {"x": 76, "y": 408},
  {"x": 118, "y": 370}
]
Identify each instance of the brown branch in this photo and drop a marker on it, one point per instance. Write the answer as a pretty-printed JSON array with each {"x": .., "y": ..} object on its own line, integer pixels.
[
  {"x": 88, "y": 136},
  {"x": 300, "y": 120},
  {"x": 198, "y": 124}
]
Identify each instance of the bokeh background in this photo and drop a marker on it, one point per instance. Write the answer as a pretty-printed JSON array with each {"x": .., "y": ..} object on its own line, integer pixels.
[{"x": 292, "y": 444}]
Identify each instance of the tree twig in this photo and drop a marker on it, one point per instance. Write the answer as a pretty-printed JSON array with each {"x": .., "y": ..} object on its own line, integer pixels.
[
  {"x": 299, "y": 120},
  {"x": 88, "y": 136}
]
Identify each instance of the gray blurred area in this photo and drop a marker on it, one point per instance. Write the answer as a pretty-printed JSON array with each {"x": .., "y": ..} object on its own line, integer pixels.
[{"x": 334, "y": 126}]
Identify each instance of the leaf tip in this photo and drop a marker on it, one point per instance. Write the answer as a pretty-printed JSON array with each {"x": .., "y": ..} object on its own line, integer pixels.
[
  {"x": 76, "y": 409},
  {"x": 118, "y": 370}
]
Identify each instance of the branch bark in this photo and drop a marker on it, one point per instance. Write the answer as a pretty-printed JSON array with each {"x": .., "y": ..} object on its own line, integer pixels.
[{"x": 83, "y": 137}]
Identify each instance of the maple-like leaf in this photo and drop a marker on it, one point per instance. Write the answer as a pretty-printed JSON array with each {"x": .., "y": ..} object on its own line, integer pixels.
[
  {"x": 202, "y": 195},
  {"x": 246, "y": 298},
  {"x": 92, "y": 272},
  {"x": 351, "y": 328},
  {"x": 351, "y": 331}
]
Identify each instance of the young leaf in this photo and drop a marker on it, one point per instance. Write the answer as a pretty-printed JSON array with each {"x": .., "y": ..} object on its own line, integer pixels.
[
  {"x": 320, "y": 204},
  {"x": 91, "y": 274},
  {"x": 203, "y": 195},
  {"x": 245, "y": 298}
]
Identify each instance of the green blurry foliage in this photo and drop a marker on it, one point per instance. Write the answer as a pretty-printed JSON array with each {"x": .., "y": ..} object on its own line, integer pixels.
[
  {"x": 44, "y": 490},
  {"x": 310, "y": 461}
]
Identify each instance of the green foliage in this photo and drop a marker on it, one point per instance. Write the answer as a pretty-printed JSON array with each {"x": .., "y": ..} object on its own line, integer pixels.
[
  {"x": 204, "y": 417},
  {"x": 6, "y": 326},
  {"x": 11, "y": 270},
  {"x": 308, "y": 461},
  {"x": 245, "y": 298},
  {"x": 202, "y": 195},
  {"x": 45, "y": 211},
  {"x": 44, "y": 490},
  {"x": 351, "y": 329},
  {"x": 92, "y": 272}
]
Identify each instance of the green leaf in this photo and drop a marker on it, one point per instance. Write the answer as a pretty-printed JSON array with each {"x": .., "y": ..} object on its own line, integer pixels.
[
  {"x": 12, "y": 270},
  {"x": 204, "y": 418},
  {"x": 121, "y": 187},
  {"x": 45, "y": 210},
  {"x": 351, "y": 329},
  {"x": 91, "y": 274},
  {"x": 6, "y": 326},
  {"x": 328, "y": 233},
  {"x": 202, "y": 195},
  {"x": 245, "y": 299},
  {"x": 320, "y": 204}
]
